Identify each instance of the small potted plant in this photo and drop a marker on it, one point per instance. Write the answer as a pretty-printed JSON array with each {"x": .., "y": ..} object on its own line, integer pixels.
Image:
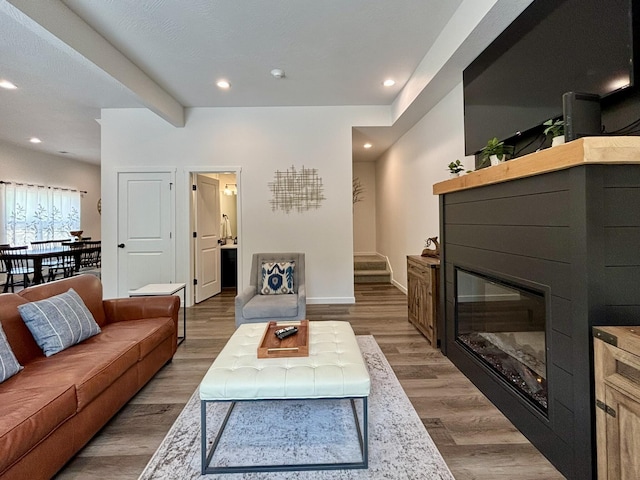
[
  {"x": 455, "y": 168},
  {"x": 555, "y": 130},
  {"x": 495, "y": 151}
]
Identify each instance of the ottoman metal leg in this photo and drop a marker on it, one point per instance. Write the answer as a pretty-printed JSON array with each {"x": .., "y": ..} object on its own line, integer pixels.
[
  {"x": 363, "y": 438},
  {"x": 206, "y": 458}
]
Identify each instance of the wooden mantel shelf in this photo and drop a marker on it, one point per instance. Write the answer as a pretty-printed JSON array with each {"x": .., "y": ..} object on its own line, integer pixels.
[{"x": 587, "y": 150}]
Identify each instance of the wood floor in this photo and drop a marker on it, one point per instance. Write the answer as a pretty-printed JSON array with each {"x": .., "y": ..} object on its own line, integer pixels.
[{"x": 475, "y": 439}]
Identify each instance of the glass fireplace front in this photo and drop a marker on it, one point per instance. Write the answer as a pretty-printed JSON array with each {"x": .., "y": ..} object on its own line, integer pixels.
[{"x": 503, "y": 325}]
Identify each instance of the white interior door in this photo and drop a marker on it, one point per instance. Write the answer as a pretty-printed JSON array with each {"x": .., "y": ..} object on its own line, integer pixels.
[
  {"x": 145, "y": 223},
  {"x": 207, "y": 234}
]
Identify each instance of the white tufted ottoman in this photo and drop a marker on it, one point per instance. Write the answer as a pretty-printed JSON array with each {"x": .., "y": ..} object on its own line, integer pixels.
[{"x": 334, "y": 369}]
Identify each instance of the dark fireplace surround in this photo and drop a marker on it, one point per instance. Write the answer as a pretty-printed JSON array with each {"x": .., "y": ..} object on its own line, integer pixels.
[{"x": 570, "y": 235}]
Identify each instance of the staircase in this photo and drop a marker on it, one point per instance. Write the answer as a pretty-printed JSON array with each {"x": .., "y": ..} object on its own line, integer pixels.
[{"x": 371, "y": 269}]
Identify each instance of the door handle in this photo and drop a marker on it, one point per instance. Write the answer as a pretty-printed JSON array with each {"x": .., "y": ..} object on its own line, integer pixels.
[{"x": 121, "y": 245}]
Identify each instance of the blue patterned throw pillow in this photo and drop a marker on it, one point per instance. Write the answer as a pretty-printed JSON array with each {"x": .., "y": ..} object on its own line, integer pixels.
[
  {"x": 59, "y": 322},
  {"x": 277, "y": 278},
  {"x": 9, "y": 364}
]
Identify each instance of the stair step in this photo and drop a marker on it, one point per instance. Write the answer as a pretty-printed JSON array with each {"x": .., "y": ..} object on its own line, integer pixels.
[
  {"x": 372, "y": 276},
  {"x": 370, "y": 269},
  {"x": 369, "y": 262},
  {"x": 369, "y": 266}
]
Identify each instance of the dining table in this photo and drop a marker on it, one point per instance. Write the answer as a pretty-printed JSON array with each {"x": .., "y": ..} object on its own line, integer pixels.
[{"x": 36, "y": 256}]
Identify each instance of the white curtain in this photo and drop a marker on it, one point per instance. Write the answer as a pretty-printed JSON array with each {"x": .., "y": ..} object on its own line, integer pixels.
[{"x": 31, "y": 213}]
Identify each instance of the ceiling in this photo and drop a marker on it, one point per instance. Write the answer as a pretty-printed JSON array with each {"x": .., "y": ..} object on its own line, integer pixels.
[{"x": 71, "y": 58}]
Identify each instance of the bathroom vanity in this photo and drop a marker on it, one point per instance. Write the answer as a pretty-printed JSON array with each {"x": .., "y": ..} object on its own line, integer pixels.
[{"x": 229, "y": 260}]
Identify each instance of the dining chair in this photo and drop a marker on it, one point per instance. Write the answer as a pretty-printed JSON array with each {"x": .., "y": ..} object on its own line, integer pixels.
[
  {"x": 40, "y": 245},
  {"x": 45, "y": 244},
  {"x": 63, "y": 263},
  {"x": 90, "y": 257},
  {"x": 15, "y": 265},
  {"x": 3, "y": 270}
]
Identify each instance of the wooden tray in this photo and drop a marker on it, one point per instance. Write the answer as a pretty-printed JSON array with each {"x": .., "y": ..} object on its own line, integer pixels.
[{"x": 296, "y": 345}]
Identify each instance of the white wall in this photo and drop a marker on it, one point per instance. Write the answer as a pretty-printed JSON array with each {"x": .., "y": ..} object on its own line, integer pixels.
[
  {"x": 260, "y": 141},
  {"x": 23, "y": 165},
  {"x": 407, "y": 213},
  {"x": 364, "y": 211}
]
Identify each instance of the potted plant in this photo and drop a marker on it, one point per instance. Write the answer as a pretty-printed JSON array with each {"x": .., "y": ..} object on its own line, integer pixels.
[
  {"x": 495, "y": 151},
  {"x": 555, "y": 130},
  {"x": 455, "y": 168}
]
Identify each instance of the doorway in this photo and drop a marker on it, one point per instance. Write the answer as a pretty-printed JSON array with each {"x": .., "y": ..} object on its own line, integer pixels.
[{"x": 215, "y": 231}]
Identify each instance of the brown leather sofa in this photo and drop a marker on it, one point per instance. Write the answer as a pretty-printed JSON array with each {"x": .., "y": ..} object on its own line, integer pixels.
[{"x": 52, "y": 408}]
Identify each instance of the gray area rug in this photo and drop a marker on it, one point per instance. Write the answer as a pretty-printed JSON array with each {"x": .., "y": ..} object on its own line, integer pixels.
[{"x": 313, "y": 431}]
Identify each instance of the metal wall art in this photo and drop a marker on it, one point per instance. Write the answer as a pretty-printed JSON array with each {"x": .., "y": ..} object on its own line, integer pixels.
[
  {"x": 293, "y": 190},
  {"x": 358, "y": 190}
]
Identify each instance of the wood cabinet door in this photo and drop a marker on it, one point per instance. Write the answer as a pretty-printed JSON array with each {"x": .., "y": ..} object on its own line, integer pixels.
[
  {"x": 422, "y": 298},
  {"x": 413, "y": 299},
  {"x": 623, "y": 436},
  {"x": 428, "y": 308}
]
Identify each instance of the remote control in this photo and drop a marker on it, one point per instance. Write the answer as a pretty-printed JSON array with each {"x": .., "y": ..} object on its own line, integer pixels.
[{"x": 286, "y": 332}]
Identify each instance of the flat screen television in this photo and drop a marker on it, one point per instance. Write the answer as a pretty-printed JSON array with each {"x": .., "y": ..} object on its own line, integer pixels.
[{"x": 553, "y": 47}]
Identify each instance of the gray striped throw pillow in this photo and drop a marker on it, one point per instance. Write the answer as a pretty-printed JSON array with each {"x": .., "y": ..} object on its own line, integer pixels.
[
  {"x": 59, "y": 322},
  {"x": 9, "y": 365}
]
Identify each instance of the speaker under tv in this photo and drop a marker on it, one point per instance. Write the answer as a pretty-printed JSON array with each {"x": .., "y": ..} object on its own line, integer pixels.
[{"x": 582, "y": 115}]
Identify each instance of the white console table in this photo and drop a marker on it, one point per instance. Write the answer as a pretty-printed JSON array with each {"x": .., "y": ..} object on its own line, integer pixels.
[{"x": 164, "y": 289}]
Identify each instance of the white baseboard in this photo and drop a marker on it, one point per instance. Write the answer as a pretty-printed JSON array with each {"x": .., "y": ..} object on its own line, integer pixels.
[{"x": 402, "y": 288}]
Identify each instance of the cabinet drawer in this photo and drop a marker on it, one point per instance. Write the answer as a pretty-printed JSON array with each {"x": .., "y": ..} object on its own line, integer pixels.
[
  {"x": 625, "y": 374},
  {"x": 418, "y": 269}
]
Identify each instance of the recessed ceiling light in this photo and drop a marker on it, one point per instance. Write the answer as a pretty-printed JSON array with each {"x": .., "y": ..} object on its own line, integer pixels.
[
  {"x": 277, "y": 73},
  {"x": 7, "y": 84},
  {"x": 223, "y": 84},
  {"x": 367, "y": 145},
  {"x": 35, "y": 140},
  {"x": 389, "y": 82}
]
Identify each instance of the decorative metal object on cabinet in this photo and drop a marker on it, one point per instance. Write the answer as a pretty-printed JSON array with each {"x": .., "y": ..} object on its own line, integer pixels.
[
  {"x": 423, "y": 280},
  {"x": 617, "y": 389}
]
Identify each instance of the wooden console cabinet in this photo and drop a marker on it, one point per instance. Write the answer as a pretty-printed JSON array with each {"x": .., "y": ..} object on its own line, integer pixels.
[
  {"x": 617, "y": 390},
  {"x": 422, "y": 295}
]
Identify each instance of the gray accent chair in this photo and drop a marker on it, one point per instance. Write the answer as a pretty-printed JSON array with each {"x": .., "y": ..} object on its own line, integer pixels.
[{"x": 252, "y": 307}]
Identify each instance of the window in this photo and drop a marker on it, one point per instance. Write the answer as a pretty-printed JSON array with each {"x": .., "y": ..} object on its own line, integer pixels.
[{"x": 35, "y": 212}]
